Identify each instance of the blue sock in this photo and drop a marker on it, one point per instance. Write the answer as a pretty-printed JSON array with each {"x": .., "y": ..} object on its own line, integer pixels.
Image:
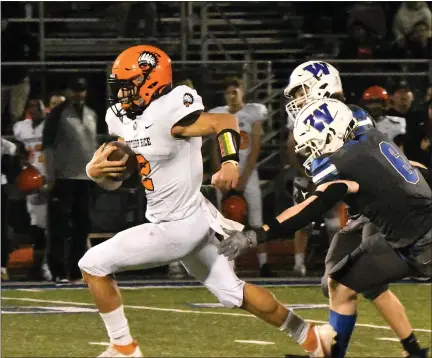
[{"x": 344, "y": 326}]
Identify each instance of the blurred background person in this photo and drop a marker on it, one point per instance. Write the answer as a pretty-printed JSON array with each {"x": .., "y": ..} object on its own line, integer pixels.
[
  {"x": 375, "y": 100},
  {"x": 18, "y": 44},
  {"x": 409, "y": 14},
  {"x": 29, "y": 132},
  {"x": 7, "y": 149},
  {"x": 69, "y": 141},
  {"x": 250, "y": 117}
]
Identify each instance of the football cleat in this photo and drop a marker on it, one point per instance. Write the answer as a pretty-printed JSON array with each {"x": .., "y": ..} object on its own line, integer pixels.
[
  {"x": 326, "y": 337},
  {"x": 113, "y": 352}
]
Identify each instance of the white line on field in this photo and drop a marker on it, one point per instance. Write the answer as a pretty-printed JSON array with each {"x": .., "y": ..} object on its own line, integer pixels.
[
  {"x": 263, "y": 343},
  {"x": 29, "y": 290},
  {"x": 150, "y": 308},
  {"x": 391, "y": 339},
  {"x": 99, "y": 343}
]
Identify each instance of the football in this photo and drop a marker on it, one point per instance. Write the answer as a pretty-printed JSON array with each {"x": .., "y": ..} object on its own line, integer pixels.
[{"x": 124, "y": 152}]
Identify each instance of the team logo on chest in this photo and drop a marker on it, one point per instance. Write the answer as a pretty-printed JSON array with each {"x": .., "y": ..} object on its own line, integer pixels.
[{"x": 187, "y": 99}]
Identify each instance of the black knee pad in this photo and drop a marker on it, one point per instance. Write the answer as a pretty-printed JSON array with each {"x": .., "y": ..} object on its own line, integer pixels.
[
  {"x": 38, "y": 236},
  {"x": 375, "y": 292}
]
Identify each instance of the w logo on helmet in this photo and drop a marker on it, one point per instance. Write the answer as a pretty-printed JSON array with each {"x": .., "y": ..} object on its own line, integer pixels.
[
  {"x": 319, "y": 117},
  {"x": 318, "y": 69},
  {"x": 147, "y": 61}
]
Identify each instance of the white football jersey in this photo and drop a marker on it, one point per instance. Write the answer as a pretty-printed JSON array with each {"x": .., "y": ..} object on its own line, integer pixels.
[
  {"x": 391, "y": 126},
  {"x": 32, "y": 140},
  {"x": 171, "y": 168},
  {"x": 250, "y": 113}
]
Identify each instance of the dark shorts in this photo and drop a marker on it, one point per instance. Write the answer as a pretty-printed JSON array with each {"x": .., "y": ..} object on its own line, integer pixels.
[
  {"x": 345, "y": 242},
  {"x": 375, "y": 263}
]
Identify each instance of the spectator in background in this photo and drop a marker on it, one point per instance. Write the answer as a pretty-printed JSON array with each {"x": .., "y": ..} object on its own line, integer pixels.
[
  {"x": 371, "y": 15},
  {"x": 69, "y": 141},
  {"x": 250, "y": 117},
  {"x": 419, "y": 134},
  {"x": 375, "y": 100},
  {"x": 409, "y": 14},
  {"x": 17, "y": 45},
  {"x": 29, "y": 133},
  {"x": 7, "y": 148}
]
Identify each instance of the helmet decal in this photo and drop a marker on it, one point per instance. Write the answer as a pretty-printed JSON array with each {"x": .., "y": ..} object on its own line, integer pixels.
[{"x": 147, "y": 61}]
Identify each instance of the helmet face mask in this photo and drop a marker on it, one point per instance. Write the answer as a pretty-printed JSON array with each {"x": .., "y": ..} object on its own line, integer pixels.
[
  {"x": 140, "y": 75},
  {"x": 322, "y": 127},
  {"x": 316, "y": 79}
]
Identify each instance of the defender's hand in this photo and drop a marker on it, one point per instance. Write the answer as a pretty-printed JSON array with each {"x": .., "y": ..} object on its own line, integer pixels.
[
  {"x": 226, "y": 178},
  {"x": 237, "y": 243},
  {"x": 100, "y": 166}
]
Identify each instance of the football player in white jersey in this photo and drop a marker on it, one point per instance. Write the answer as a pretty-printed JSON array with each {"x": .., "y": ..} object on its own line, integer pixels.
[
  {"x": 164, "y": 126},
  {"x": 375, "y": 100},
  {"x": 250, "y": 117},
  {"x": 29, "y": 132}
]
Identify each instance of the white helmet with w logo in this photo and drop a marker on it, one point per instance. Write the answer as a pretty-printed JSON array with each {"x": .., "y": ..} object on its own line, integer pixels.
[
  {"x": 316, "y": 79},
  {"x": 322, "y": 126}
]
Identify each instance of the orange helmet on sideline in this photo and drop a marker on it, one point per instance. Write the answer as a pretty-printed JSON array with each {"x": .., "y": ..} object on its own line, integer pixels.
[
  {"x": 140, "y": 74},
  {"x": 235, "y": 207},
  {"x": 375, "y": 93},
  {"x": 29, "y": 180}
]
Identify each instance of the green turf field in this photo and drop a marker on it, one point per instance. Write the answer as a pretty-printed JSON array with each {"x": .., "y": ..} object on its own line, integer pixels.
[{"x": 165, "y": 325}]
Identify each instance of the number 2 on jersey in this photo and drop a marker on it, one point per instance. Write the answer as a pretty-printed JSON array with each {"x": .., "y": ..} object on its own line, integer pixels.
[
  {"x": 144, "y": 171},
  {"x": 398, "y": 162}
]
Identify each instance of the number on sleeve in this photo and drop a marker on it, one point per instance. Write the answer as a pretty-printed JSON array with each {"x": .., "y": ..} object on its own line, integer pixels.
[
  {"x": 144, "y": 170},
  {"x": 399, "y": 163}
]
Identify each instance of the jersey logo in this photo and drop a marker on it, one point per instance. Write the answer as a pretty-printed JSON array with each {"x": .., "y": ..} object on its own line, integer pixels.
[
  {"x": 317, "y": 69},
  {"x": 319, "y": 117},
  {"x": 399, "y": 163},
  {"x": 187, "y": 99},
  {"x": 147, "y": 127},
  {"x": 147, "y": 61}
]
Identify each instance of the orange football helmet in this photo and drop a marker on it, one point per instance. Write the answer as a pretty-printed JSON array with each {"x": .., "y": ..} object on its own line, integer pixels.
[
  {"x": 235, "y": 207},
  {"x": 29, "y": 180},
  {"x": 139, "y": 75},
  {"x": 375, "y": 93}
]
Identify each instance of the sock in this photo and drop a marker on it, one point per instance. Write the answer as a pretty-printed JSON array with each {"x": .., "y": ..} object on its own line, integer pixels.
[
  {"x": 117, "y": 327},
  {"x": 298, "y": 329},
  {"x": 299, "y": 259},
  {"x": 411, "y": 344},
  {"x": 262, "y": 258},
  {"x": 344, "y": 326}
]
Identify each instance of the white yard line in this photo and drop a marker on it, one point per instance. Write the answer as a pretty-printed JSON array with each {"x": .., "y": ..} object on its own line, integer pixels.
[
  {"x": 100, "y": 343},
  {"x": 263, "y": 343},
  {"x": 177, "y": 310},
  {"x": 391, "y": 339}
]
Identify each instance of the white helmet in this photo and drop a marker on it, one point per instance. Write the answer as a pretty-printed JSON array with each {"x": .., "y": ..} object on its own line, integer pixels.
[
  {"x": 317, "y": 79},
  {"x": 322, "y": 126}
]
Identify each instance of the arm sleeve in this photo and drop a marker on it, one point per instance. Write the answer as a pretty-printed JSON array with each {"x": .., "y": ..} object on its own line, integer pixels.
[{"x": 325, "y": 200}]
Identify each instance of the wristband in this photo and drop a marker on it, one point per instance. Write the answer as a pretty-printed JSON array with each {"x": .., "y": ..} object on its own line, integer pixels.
[{"x": 229, "y": 143}]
